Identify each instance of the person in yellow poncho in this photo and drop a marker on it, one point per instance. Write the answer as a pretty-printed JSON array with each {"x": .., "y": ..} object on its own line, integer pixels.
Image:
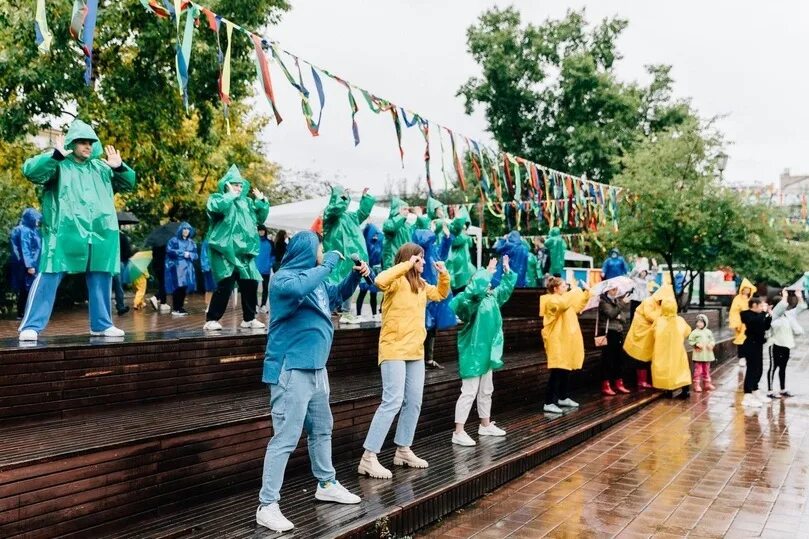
[
  {"x": 639, "y": 342},
  {"x": 670, "y": 368},
  {"x": 739, "y": 305},
  {"x": 561, "y": 334}
]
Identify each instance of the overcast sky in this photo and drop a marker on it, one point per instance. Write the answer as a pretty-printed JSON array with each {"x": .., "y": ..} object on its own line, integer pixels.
[{"x": 741, "y": 58}]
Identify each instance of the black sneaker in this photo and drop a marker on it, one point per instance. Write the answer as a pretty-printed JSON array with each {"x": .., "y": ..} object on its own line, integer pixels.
[{"x": 786, "y": 394}]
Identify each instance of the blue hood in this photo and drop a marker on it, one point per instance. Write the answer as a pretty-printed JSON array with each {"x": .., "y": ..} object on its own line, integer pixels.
[
  {"x": 370, "y": 232},
  {"x": 192, "y": 231},
  {"x": 301, "y": 252},
  {"x": 30, "y": 218},
  {"x": 424, "y": 238},
  {"x": 514, "y": 238}
]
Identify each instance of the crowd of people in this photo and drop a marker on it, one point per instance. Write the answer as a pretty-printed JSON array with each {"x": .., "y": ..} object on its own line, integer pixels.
[{"x": 420, "y": 263}]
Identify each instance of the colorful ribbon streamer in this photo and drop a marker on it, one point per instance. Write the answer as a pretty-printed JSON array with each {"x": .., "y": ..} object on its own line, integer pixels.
[
  {"x": 41, "y": 30},
  {"x": 183, "y": 58},
  {"x": 264, "y": 76}
]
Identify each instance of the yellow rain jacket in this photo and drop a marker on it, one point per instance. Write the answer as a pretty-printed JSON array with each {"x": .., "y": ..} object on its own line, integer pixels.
[
  {"x": 639, "y": 342},
  {"x": 740, "y": 303},
  {"x": 670, "y": 368},
  {"x": 561, "y": 333},
  {"x": 402, "y": 334}
]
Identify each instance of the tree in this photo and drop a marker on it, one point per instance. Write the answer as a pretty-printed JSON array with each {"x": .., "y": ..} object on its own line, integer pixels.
[{"x": 551, "y": 95}]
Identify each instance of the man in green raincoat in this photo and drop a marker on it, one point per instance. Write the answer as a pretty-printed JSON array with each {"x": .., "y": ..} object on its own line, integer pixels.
[
  {"x": 342, "y": 232},
  {"x": 398, "y": 229},
  {"x": 459, "y": 263},
  {"x": 556, "y": 247},
  {"x": 79, "y": 226},
  {"x": 437, "y": 215},
  {"x": 234, "y": 244}
]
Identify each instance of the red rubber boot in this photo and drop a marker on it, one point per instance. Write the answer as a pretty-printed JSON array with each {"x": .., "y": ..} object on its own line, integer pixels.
[
  {"x": 620, "y": 388},
  {"x": 643, "y": 382},
  {"x": 606, "y": 390}
]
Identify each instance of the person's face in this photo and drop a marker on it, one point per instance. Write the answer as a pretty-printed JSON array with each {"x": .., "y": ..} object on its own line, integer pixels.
[
  {"x": 439, "y": 213},
  {"x": 700, "y": 324},
  {"x": 186, "y": 233},
  {"x": 262, "y": 233},
  {"x": 746, "y": 292},
  {"x": 613, "y": 255},
  {"x": 235, "y": 187},
  {"x": 613, "y": 293},
  {"x": 643, "y": 274},
  {"x": 82, "y": 148},
  {"x": 319, "y": 254}
]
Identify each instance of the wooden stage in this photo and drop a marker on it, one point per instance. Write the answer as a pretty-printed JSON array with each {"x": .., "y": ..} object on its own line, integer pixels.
[{"x": 163, "y": 433}]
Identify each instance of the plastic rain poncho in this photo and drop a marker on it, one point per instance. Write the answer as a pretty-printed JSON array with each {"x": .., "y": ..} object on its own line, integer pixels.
[
  {"x": 480, "y": 340},
  {"x": 561, "y": 333},
  {"x": 639, "y": 342},
  {"x": 79, "y": 223},
  {"x": 373, "y": 243},
  {"x": 342, "y": 232},
  {"x": 516, "y": 250},
  {"x": 531, "y": 274},
  {"x": 459, "y": 262},
  {"x": 556, "y": 247},
  {"x": 439, "y": 315},
  {"x": 740, "y": 304},
  {"x": 670, "y": 368},
  {"x": 233, "y": 236},
  {"x": 26, "y": 250},
  {"x": 179, "y": 267},
  {"x": 397, "y": 232}
]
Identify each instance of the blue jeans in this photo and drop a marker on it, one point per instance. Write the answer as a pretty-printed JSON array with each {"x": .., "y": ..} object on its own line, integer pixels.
[
  {"x": 300, "y": 400},
  {"x": 402, "y": 389},
  {"x": 43, "y": 293}
]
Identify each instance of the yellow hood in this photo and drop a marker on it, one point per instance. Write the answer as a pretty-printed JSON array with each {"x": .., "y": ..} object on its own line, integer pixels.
[
  {"x": 665, "y": 292},
  {"x": 747, "y": 284},
  {"x": 669, "y": 307}
]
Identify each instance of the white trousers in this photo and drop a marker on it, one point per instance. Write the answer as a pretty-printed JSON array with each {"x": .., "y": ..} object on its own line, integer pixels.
[{"x": 481, "y": 387}]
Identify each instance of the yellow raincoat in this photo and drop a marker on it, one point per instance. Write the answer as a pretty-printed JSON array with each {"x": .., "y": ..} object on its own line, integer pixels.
[
  {"x": 561, "y": 333},
  {"x": 670, "y": 368},
  {"x": 639, "y": 342},
  {"x": 740, "y": 303}
]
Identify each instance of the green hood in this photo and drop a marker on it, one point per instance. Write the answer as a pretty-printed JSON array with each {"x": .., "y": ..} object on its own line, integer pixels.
[
  {"x": 234, "y": 176},
  {"x": 432, "y": 206},
  {"x": 339, "y": 198},
  {"x": 555, "y": 232},
  {"x": 479, "y": 284},
  {"x": 396, "y": 204},
  {"x": 80, "y": 130}
]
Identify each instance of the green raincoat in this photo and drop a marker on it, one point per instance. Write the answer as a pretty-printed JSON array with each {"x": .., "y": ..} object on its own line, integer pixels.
[
  {"x": 459, "y": 262},
  {"x": 79, "y": 225},
  {"x": 531, "y": 274},
  {"x": 480, "y": 340},
  {"x": 397, "y": 233},
  {"x": 232, "y": 236},
  {"x": 341, "y": 230},
  {"x": 556, "y": 247},
  {"x": 436, "y": 222}
]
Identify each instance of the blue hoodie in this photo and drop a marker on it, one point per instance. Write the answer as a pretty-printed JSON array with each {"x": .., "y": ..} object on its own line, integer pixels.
[
  {"x": 179, "y": 269},
  {"x": 439, "y": 313},
  {"x": 513, "y": 247},
  {"x": 266, "y": 257},
  {"x": 302, "y": 301},
  {"x": 614, "y": 266},
  {"x": 26, "y": 248},
  {"x": 373, "y": 242}
]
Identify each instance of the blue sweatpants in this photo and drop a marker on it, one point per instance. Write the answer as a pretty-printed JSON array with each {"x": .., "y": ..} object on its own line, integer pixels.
[{"x": 43, "y": 293}]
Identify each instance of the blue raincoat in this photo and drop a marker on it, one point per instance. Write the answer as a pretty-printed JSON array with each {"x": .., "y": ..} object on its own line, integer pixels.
[
  {"x": 26, "y": 248},
  {"x": 615, "y": 265},
  {"x": 205, "y": 265},
  {"x": 373, "y": 242},
  {"x": 179, "y": 269},
  {"x": 266, "y": 256},
  {"x": 513, "y": 247},
  {"x": 439, "y": 313}
]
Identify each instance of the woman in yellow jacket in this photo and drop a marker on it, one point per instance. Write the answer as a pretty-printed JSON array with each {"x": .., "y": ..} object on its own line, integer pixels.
[
  {"x": 740, "y": 304},
  {"x": 639, "y": 342},
  {"x": 401, "y": 357},
  {"x": 670, "y": 368},
  {"x": 561, "y": 334}
]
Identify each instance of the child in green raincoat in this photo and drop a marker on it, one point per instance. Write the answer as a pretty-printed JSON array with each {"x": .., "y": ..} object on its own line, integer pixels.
[
  {"x": 459, "y": 262},
  {"x": 480, "y": 347}
]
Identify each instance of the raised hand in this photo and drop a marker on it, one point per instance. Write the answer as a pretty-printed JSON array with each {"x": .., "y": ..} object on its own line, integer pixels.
[
  {"x": 492, "y": 267},
  {"x": 365, "y": 191},
  {"x": 415, "y": 259},
  {"x": 363, "y": 269},
  {"x": 440, "y": 266},
  {"x": 113, "y": 157},
  {"x": 506, "y": 266},
  {"x": 258, "y": 194}
]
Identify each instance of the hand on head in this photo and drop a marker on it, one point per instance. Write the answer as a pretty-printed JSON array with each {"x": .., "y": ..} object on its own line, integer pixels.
[
  {"x": 506, "y": 266},
  {"x": 492, "y": 267}
]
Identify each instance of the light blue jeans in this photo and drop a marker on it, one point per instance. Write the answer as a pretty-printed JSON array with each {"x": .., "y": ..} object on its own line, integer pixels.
[
  {"x": 43, "y": 294},
  {"x": 300, "y": 400},
  {"x": 402, "y": 389}
]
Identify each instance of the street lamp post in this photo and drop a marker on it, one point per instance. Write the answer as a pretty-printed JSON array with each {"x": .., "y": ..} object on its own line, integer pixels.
[{"x": 721, "y": 163}]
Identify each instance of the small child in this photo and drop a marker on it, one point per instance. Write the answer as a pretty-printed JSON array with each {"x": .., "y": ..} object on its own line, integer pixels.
[
  {"x": 480, "y": 347},
  {"x": 703, "y": 341},
  {"x": 783, "y": 330}
]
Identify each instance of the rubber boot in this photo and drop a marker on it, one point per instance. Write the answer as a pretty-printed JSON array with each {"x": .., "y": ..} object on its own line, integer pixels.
[
  {"x": 606, "y": 390},
  {"x": 708, "y": 386},
  {"x": 620, "y": 388},
  {"x": 643, "y": 381},
  {"x": 696, "y": 385}
]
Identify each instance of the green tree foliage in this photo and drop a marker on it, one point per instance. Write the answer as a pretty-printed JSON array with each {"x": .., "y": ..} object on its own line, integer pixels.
[{"x": 551, "y": 95}]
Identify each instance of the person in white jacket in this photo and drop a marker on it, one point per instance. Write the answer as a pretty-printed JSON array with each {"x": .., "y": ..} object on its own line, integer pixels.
[
  {"x": 782, "y": 340},
  {"x": 642, "y": 276}
]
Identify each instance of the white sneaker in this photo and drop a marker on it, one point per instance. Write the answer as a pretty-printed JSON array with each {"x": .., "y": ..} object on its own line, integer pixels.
[
  {"x": 111, "y": 331},
  {"x": 377, "y": 317},
  {"x": 28, "y": 335},
  {"x": 212, "y": 325},
  {"x": 253, "y": 324},
  {"x": 406, "y": 457},
  {"x": 751, "y": 401},
  {"x": 350, "y": 319},
  {"x": 762, "y": 398},
  {"x": 264, "y": 309},
  {"x": 552, "y": 409},
  {"x": 270, "y": 517},
  {"x": 742, "y": 362},
  {"x": 369, "y": 465},
  {"x": 165, "y": 308},
  {"x": 568, "y": 403},
  {"x": 463, "y": 439},
  {"x": 154, "y": 303},
  {"x": 491, "y": 430},
  {"x": 179, "y": 313},
  {"x": 335, "y": 492}
]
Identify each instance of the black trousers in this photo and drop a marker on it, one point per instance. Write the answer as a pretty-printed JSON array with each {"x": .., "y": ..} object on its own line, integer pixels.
[
  {"x": 429, "y": 344},
  {"x": 265, "y": 288},
  {"x": 612, "y": 356},
  {"x": 361, "y": 300},
  {"x": 158, "y": 267},
  {"x": 741, "y": 351},
  {"x": 557, "y": 386},
  {"x": 22, "y": 299},
  {"x": 178, "y": 298},
  {"x": 779, "y": 356},
  {"x": 219, "y": 301},
  {"x": 633, "y": 305},
  {"x": 755, "y": 366}
]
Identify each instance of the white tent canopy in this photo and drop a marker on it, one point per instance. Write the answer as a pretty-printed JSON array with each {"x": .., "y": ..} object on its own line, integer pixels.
[
  {"x": 578, "y": 257},
  {"x": 297, "y": 216}
]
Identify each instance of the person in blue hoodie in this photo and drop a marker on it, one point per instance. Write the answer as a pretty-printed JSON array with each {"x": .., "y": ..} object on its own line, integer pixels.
[
  {"x": 180, "y": 275},
  {"x": 614, "y": 266},
  {"x": 513, "y": 247},
  {"x": 264, "y": 263},
  {"x": 298, "y": 346},
  {"x": 373, "y": 242},
  {"x": 26, "y": 248},
  {"x": 207, "y": 274}
]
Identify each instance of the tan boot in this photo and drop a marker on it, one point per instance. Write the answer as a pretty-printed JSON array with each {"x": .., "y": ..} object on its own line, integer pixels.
[
  {"x": 405, "y": 457},
  {"x": 369, "y": 465}
]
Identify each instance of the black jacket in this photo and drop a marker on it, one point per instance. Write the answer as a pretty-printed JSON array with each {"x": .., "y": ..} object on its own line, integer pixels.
[{"x": 756, "y": 325}]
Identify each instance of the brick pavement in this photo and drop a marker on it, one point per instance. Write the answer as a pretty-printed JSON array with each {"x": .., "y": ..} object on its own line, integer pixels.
[{"x": 699, "y": 468}]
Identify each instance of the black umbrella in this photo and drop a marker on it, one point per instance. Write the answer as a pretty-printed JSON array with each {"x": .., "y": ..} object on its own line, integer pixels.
[
  {"x": 127, "y": 218},
  {"x": 161, "y": 235}
]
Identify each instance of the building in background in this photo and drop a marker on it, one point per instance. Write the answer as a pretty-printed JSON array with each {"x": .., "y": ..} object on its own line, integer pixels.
[{"x": 793, "y": 185}]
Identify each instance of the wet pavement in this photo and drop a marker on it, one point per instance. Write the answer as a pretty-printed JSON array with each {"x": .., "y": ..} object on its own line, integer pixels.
[{"x": 699, "y": 468}]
